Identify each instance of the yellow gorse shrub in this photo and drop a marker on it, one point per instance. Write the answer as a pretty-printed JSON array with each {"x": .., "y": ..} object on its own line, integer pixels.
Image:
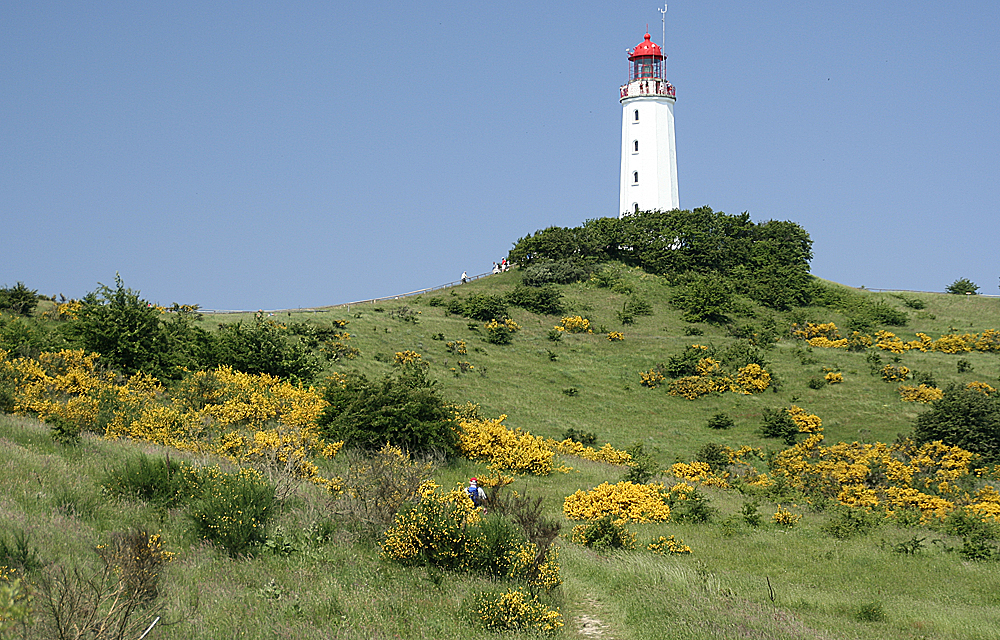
[
  {"x": 981, "y": 387},
  {"x": 606, "y": 453},
  {"x": 920, "y": 393},
  {"x": 248, "y": 418},
  {"x": 401, "y": 358},
  {"x": 668, "y": 546},
  {"x": 505, "y": 448},
  {"x": 625, "y": 501},
  {"x": 515, "y": 610},
  {"x": 785, "y": 518},
  {"x": 574, "y": 324},
  {"x": 826, "y": 336}
]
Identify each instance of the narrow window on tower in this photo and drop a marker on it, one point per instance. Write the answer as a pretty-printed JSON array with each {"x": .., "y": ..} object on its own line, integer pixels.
[
  {"x": 635, "y": 146},
  {"x": 636, "y": 116},
  {"x": 635, "y": 177}
]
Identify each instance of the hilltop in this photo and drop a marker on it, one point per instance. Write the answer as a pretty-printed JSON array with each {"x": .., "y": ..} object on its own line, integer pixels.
[{"x": 818, "y": 572}]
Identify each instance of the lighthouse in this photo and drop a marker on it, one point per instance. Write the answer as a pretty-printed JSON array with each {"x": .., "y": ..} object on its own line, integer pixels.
[{"x": 649, "y": 155}]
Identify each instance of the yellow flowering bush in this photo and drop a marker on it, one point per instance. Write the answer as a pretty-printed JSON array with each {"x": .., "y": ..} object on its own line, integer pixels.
[
  {"x": 615, "y": 336},
  {"x": 232, "y": 509},
  {"x": 825, "y": 343},
  {"x": 625, "y": 500},
  {"x": 807, "y": 423},
  {"x": 505, "y": 448},
  {"x": 651, "y": 378},
  {"x": 826, "y": 330},
  {"x": 707, "y": 366},
  {"x": 436, "y": 529},
  {"x": 668, "y": 546},
  {"x": 696, "y": 471},
  {"x": 892, "y": 373},
  {"x": 574, "y": 324},
  {"x": 887, "y": 341},
  {"x": 920, "y": 393},
  {"x": 401, "y": 358},
  {"x": 955, "y": 343},
  {"x": 248, "y": 418},
  {"x": 694, "y": 387},
  {"x": 982, "y": 388},
  {"x": 447, "y": 530},
  {"x": 785, "y": 518},
  {"x": 607, "y": 453},
  {"x": 753, "y": 378},
  {"x": 501, "y": 331},
  {"x": 516, "y": 611},
  {"x": 834, "y": 377}
]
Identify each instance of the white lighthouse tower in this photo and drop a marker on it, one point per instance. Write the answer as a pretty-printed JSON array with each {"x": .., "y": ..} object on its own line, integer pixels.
[{"x": 649, "y": 155}]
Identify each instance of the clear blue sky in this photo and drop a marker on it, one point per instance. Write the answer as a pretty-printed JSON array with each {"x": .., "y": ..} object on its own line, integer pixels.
[{"x": 244, "y": 155}]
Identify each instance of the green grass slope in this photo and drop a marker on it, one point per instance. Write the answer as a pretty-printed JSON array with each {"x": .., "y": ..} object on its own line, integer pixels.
[{"x": 769, "y": 582}]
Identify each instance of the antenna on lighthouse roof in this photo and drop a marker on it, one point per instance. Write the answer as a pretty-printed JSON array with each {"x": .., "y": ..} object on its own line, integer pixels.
[{"x": 663, "y": 40}]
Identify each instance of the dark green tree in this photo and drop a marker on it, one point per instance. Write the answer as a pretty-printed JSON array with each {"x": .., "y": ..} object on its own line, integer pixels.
[
  {"x": 124, "y": 329},
  {"x": 963, "y": 286},
  {"x": 403, "y": 409},
  {"x": 264, "y": 346},
  {"x": 963, "y": 418},
  {"x": 18, "y": 299}
]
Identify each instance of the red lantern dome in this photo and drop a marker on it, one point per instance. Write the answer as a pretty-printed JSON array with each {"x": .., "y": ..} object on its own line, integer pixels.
[{"x": 647, "y": 48}]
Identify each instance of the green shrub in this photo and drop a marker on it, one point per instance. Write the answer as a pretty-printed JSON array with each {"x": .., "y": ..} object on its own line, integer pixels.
[
  {"x": 870, "y": 612},
  {"x": 963, "y": 286},
  {"x": 720, "y": 421},
  {"x": 816, "y": 382},
  {"x": 644, "y": 465},
  {"x": 704, "y": 298},
  {"x": 715, "y": 455},
  {"x": 18, "y": 553},
  {"x": 848, "y": 522},
  {"x": 18, "y": 299},
  {"x": 694, "y": 508},
  {"x": 964, "y": 366},
  {"x": 604, "y": 533},
  {"x": 583, "y": 437},
  {"x": 776, "y": 423},
  {"x": 402, "y": 409},
  {"x": 233, "y": 509},
  {"x": 638, "y": 306},
  {"x": 124, "y": 329},
  {"x": 501, "y": 331},
  {"x": 962, "y": 418},
  {"x": 545, "y": 300},
  {"x": 264, "y": 346},
  {"x": 484, "y": 307},
  {"x": 64, "y": 430},
  {"x": 750, "y": 515},
  {"x": 159, "y": 481}
]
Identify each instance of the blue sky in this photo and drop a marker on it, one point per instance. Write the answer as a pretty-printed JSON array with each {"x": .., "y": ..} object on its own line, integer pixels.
[{"x": 291, "y": 154}]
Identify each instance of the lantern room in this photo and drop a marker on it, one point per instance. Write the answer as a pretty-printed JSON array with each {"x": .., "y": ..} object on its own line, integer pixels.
[{"x": 646, "y": 61}]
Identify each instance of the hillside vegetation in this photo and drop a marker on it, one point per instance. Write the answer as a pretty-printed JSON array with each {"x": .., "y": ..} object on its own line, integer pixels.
[{"x": 195, "y": 471}]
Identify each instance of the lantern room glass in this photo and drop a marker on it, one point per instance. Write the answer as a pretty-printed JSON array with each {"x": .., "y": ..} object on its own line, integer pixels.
[{"x": 646, "y": 67}]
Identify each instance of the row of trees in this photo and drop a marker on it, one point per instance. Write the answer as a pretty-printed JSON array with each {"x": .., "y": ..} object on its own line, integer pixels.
[
  {"x": 132, "y": 335},
  {"x": 768, "y": 261}
]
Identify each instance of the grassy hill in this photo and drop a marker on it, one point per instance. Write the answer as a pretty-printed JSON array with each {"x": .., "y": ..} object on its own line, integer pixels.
[{"x": 739, "y": 581}]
